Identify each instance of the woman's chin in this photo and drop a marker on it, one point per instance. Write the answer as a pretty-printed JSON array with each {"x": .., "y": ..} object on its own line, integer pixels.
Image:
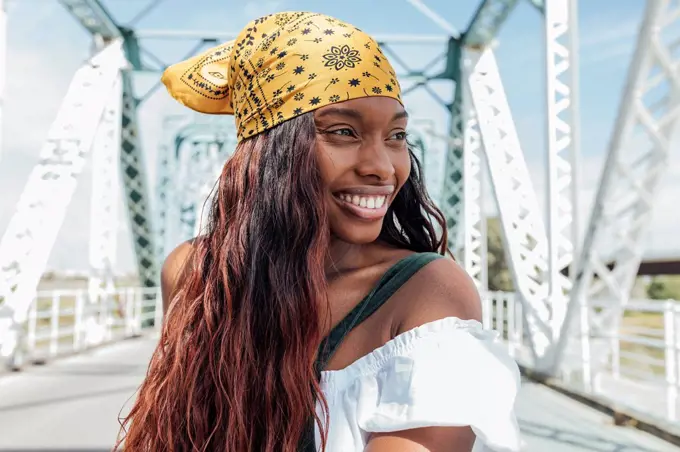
[{"x": 357, "y": 234}]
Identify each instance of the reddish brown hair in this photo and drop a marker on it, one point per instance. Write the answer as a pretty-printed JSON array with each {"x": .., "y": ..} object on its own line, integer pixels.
[{"x": 234, "y": 368}]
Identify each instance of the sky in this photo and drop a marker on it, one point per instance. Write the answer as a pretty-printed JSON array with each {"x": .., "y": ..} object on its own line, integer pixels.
[{"x": 46, "y": 45}]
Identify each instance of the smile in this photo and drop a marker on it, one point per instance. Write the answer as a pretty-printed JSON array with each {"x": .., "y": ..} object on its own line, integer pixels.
[
  {"x": 366, "y": 207},
  {"x": 368, "y": 202}
]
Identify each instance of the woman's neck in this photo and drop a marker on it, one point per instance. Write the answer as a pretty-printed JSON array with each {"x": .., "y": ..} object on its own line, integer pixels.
[{"x": 344, "y": 256}]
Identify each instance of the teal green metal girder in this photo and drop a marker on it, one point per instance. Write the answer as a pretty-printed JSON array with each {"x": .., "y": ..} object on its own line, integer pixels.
[
  {"x": 96, "y": 19},
  {"x": 484, "y": 26},
  {"x": 539, "y": 4},
  {"x": 487, "y": 21}
]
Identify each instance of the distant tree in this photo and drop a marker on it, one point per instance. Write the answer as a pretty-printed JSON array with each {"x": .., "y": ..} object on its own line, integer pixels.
[
  {"x": 499, "y": 273},
  {"x": 660, "y": 289}
]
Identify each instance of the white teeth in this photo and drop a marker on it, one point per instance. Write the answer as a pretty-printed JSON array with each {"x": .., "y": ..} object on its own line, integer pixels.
[{"x": 367, "y": 202}]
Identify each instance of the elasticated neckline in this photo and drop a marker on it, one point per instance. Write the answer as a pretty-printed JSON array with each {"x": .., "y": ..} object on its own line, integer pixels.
[{"x": 402, "y": 344}]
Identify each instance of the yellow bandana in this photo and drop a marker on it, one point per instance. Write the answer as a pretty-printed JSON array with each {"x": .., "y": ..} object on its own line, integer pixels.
[{"x": 281, "y": 66}]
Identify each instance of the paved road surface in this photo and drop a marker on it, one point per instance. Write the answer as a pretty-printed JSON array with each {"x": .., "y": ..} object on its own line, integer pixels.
[{"x": 73, "y": 405}]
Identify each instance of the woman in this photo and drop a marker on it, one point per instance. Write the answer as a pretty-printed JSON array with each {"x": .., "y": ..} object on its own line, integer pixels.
[{"x": 318, "y": 311}]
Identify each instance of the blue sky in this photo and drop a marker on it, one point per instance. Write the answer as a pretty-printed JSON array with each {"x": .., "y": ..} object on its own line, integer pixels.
[{"x": 46, "y": 46}]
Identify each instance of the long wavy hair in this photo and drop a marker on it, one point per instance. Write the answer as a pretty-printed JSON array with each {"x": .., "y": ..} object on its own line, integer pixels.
[{"x": 234, "y": 368}]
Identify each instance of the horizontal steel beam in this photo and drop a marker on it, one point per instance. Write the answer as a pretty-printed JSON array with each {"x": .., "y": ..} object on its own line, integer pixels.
[
  {"x": 94, "y": 17},
  {"x": 219, "y": 36}
]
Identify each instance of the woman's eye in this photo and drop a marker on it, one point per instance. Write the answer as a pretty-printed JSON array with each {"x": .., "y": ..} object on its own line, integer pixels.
[
  {"x": 399, "y": 136},
  {"x": 343, "y": 132}
]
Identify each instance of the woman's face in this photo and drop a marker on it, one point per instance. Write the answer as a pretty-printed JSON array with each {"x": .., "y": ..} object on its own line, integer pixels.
[{"x": 364, "y": 161}]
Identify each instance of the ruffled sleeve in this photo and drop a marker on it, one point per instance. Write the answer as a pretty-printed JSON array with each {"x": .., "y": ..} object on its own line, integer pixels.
[{"x": 445, "y": 373}]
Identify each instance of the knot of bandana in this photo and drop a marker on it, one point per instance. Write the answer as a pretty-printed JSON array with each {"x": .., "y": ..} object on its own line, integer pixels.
[{"x": 281, "y": 66}]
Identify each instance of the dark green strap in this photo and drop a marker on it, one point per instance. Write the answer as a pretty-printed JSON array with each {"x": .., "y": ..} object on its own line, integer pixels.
[{"x": 395, "y": 277}]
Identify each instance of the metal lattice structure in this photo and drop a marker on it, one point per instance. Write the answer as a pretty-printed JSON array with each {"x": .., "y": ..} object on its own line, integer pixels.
[
  {"x": 32, "y": 231},
  {"x": 563, "y": 142},
  {"x": 541, "y": 256},
  {"x": 105, "y": 195},
  {"x": 138, "y": 200},
  {"x": 637, "y": 159},
  {"x": 191, "y": 158},
  {"x": 100, "y": 89},
  {"x": 165, "y": 190},
  {"x": 554, "y": 274},
  {"x": 516, "y": 201},
  {"x": 483, "y": 129}
]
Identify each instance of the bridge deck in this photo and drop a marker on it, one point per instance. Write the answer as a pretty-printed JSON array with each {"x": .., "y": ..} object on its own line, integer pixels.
[{"x": 73, "y": 404}]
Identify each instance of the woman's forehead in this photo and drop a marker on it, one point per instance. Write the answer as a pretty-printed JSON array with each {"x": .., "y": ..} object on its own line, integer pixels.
[{"x": 362, "y": 109}]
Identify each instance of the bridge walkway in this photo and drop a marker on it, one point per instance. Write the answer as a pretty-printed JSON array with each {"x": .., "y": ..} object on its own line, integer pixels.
[{"x": 73, "y": 404}]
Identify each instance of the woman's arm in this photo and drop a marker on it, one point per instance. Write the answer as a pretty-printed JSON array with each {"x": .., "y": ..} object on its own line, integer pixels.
[{"x": 429, "y": 439}]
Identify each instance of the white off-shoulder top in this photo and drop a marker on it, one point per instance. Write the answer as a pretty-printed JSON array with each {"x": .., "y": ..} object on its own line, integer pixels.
[{"x": 449, "y": 372}]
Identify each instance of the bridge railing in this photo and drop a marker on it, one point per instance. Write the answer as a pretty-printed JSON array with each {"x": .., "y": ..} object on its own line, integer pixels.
[
  {"x": 638, "y": 364},
  {"x": 641, "y": 366},
  {"x": 62, "y": 322}
]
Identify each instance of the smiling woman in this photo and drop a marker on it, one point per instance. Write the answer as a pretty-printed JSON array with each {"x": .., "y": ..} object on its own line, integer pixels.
[{"x": 318, "y": 311}]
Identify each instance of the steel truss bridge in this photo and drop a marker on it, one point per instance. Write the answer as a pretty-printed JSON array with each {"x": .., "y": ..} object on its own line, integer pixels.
[{"x": 564, "y": 321}]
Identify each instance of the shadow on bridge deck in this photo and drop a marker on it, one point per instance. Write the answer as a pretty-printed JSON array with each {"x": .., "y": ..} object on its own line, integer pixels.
[{"x": 73, "y": 405}]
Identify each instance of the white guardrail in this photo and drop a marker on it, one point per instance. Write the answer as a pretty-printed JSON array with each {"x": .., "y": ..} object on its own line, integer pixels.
[
  {"x": 63, "y": 322},
  {"x": 640, "y": 369},
  {"x": 637, "y": 366}
]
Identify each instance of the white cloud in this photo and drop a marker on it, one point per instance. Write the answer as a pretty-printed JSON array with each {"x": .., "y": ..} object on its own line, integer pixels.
[
  {"x": 597, "y": 33},
  {"x": 606, "y": 40},
  {"x": 620, "y": 52}
]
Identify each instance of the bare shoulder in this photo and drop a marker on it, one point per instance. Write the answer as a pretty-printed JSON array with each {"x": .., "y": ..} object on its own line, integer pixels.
[
  {"x": 174, "y": 267},
  {"x": 440, "y": 289}
]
